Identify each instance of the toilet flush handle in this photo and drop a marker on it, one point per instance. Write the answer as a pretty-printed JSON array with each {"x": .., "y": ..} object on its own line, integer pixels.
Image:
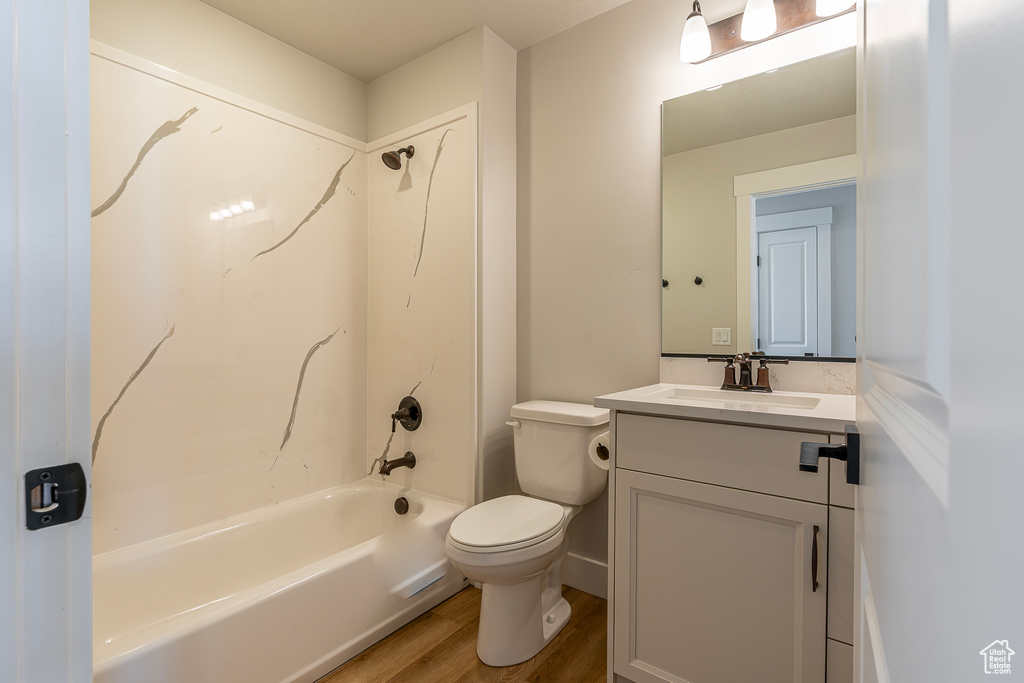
[{"x": 514, "y": 424}]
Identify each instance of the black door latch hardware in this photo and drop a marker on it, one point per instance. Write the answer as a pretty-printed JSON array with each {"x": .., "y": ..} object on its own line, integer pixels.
[{"x": 848, "y": 452}]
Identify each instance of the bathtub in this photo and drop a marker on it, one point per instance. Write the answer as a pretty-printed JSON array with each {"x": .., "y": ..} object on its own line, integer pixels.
[{"x": 285, "y": 593}]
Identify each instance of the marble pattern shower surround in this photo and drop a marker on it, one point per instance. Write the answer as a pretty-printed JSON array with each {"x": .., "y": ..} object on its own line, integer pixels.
[
  {"x": 124, "y": 390},
  {"x": 168, "y": 128},
  {"x": 423, "y": 303},
  {"x": 197, "y": 430}
]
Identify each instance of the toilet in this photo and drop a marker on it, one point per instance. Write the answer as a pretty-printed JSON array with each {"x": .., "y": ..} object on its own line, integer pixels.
[{"x": 514, "y": 545}]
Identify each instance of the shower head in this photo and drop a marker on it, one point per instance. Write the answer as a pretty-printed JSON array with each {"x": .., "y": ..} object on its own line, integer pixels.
[{"x": 393, "y": 160}]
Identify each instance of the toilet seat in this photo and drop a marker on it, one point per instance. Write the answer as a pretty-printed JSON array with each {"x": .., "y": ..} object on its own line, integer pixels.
[{"x": 506, "y": 523}]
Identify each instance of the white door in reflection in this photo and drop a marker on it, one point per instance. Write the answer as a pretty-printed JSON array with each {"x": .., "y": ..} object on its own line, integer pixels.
[
  {"x": 788, "y": 296},
  {"x": 794, "y": 283}
]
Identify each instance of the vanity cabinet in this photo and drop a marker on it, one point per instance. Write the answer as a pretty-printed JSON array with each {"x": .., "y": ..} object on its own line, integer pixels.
[{"x": 724, "y": 556}]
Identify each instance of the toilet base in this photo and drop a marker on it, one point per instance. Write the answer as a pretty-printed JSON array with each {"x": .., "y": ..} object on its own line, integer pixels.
[{"x": 518, "y": 620}]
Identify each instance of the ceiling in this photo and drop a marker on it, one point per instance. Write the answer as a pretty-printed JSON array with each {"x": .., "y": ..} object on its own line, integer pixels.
[
  {"x": 369, "y": 38},
  {"x": 814, "y": 90}
]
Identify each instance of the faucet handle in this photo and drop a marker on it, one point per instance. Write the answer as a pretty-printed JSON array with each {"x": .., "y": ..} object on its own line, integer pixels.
[
  {"x": 763, "y": 378},
  {"x": 730, "y": 369}
]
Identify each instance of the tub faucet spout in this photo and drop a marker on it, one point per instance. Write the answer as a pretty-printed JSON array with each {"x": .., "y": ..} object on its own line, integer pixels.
[{"x": 407, "y": 460}]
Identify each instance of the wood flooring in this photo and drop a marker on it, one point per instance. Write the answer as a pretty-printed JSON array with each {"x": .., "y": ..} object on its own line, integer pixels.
[{"x": 440, "y": 647}]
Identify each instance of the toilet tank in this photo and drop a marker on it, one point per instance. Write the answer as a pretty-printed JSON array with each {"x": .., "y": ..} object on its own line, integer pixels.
[{"x": 551, "y": 442}]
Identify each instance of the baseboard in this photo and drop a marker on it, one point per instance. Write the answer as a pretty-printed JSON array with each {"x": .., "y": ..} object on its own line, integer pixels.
[{"x": 585, "y": 574}]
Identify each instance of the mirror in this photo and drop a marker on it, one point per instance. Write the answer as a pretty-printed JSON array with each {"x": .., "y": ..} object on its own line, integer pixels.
[{"x": 759, "y": 214}]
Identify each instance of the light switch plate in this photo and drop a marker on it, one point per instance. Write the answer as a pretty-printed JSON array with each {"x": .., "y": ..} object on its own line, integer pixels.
[{"x": 721, "y": 336}]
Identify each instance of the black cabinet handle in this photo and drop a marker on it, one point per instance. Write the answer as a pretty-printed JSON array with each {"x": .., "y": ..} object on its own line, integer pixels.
[{"x": 814, "y": 561}]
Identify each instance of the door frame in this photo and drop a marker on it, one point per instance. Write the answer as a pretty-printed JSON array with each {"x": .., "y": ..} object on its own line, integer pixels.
[
  {"x": 45, "y": 319},
  {"x": 751, "y": 186}
]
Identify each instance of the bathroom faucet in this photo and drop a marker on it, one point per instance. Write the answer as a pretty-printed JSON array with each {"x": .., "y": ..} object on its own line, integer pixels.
[
  {"x": 743, "y": 361},
  {"x": 746, "y": 371},
  {"x": 407, "y": 460}
]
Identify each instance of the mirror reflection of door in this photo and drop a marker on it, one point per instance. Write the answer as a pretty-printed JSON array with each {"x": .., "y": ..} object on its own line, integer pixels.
[
  {"x": 787, "y": 283},
  {"x": 803, "y": 293}
]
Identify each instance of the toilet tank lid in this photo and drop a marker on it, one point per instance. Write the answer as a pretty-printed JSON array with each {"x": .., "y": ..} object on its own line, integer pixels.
[{"x": 561, "y": 412}]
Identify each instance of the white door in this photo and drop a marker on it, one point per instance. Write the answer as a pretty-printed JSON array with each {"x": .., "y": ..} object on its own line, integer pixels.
[
  {"x": 45, "y": 575},
  {"x": 941, "y": 507},
  {"x": 787, "y": 288}
]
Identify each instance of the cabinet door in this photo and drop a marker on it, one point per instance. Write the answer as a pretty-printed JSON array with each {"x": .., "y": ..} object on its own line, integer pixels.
[{"x": 714, "y": 585}]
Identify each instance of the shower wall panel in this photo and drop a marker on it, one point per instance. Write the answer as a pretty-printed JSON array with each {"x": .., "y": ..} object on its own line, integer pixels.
[
  {"x": 423, "y": 294},
  {"x": 229, "y": 352}
]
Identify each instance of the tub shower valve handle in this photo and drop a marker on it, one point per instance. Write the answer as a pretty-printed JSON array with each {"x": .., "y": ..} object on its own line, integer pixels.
[{"x": 409, "y": 414}]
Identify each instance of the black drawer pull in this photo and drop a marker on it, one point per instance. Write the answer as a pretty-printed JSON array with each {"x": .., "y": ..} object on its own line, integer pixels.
[{"x": 814, "y": 561}]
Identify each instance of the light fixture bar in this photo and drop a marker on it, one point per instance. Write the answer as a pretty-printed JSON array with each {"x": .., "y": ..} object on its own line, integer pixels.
[{"x": 791, "y": 15}]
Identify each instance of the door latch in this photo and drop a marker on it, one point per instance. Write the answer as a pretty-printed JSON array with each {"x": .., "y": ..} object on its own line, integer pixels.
[
  {"x": 54, "y": 495},
  {"x": 848, "y": 452}
]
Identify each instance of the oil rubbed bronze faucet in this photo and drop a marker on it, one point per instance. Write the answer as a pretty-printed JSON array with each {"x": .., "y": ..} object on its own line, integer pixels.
[
  {"x": 407, "y": 460},
  {"x": 743, "y": 361}
]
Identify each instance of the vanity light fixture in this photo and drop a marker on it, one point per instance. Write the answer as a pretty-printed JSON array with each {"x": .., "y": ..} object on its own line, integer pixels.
[
  {"x": 695, "y": 45},
  {"x": 826, "y": 8},
  {"x": 759, "y": 20}
]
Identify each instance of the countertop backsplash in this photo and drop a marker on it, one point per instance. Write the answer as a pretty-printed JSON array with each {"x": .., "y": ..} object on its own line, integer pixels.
[{"x": 808, "y": 376}]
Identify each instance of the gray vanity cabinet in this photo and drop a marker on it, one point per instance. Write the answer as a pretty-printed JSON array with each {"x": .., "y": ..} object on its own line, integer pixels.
[{"x": 721, "y": 556}]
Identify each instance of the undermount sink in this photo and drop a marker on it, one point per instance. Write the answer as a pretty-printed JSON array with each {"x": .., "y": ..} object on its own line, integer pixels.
[{"x": 736, "y": 400}]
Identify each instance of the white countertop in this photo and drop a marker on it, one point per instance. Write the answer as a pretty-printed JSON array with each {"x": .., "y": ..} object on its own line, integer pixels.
[{"x": 784, "y": 409}]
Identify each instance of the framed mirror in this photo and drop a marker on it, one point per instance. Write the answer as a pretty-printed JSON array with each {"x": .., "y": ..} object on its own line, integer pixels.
[{"x": 759, "y": 214}]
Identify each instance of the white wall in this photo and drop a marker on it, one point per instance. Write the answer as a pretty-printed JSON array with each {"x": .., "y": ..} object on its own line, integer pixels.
[
  {"x": 589, "y": 194},
  {"x": 497, "y": 269},
  {"x": 439, "y": 81},
  {"x": 195, "y": 39}
]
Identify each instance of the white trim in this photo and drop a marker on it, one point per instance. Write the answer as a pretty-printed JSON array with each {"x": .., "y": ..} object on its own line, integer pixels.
[
  {"x": 871, "y": 628},
  {"x": 793, "y": 219},
  {"x": 112, "y": 54},
  {"x": 467, "y": 111},
  {"x": 787, "y": 179},
  {"x": 825, "y": 289},
  {"x": 585, "y": 574},
  {"x": 913, "y": 416}
]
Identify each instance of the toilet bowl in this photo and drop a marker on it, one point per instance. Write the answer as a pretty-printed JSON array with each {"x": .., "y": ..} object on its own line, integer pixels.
[{"x": 514, "y": 545}]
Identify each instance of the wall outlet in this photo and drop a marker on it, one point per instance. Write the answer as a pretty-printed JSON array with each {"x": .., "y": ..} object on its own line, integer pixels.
[{"x": 721, "y": 336}]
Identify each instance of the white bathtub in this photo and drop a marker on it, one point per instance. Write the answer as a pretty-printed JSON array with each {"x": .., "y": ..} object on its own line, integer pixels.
[{"x": 285, "y": 593}]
